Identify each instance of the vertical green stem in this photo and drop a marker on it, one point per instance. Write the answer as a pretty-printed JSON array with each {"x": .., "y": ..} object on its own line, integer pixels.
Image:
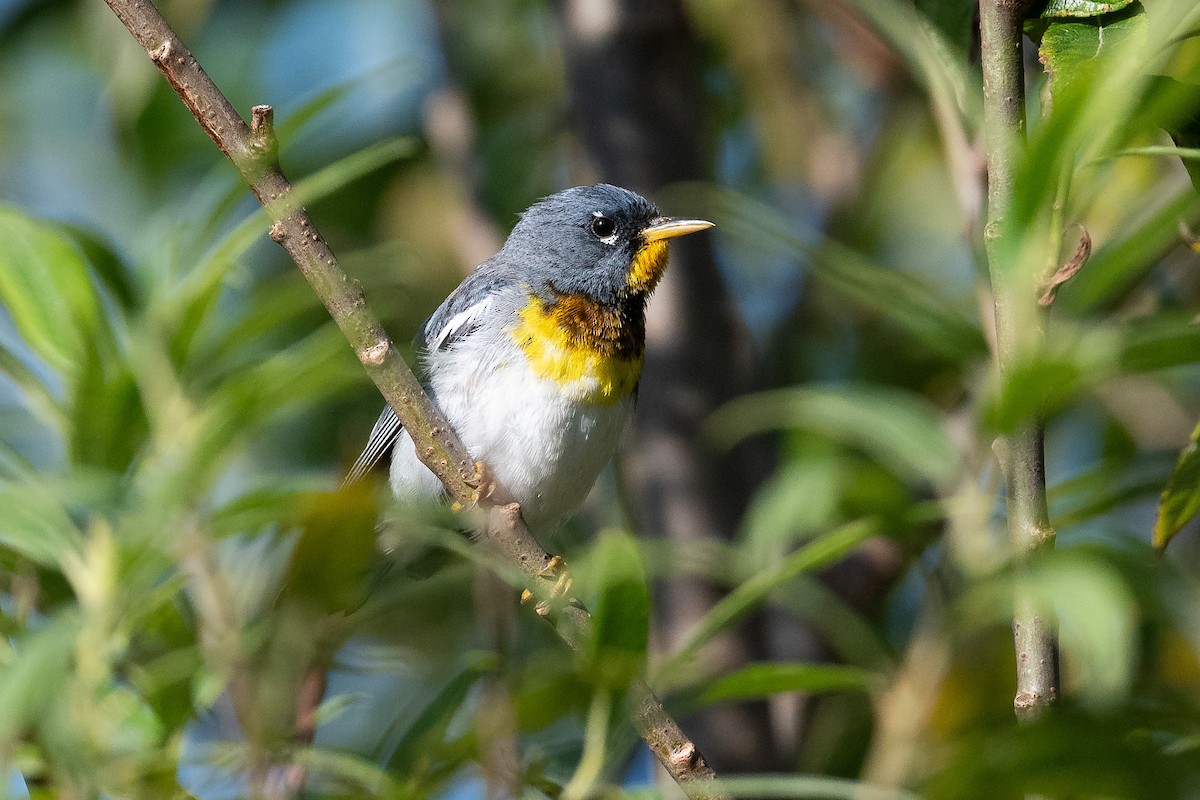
[{"x": 1034, "y": 635}]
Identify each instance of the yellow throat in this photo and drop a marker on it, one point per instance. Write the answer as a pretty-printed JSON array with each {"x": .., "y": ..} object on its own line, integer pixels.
[
  {"x": 592, "y": 351},
  {"x": 648, "y": 266}
]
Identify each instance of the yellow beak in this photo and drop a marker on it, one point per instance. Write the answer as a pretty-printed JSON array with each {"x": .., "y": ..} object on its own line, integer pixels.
[{"x": 667, "y": 228}]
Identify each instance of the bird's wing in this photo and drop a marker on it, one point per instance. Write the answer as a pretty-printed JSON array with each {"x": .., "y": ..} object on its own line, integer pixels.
[
  {"x": 382, "y": 437},
  {"x": 461, "y": 313},
  {"x": 458, "y": 316},
  {"x": 443, "y": 331}
]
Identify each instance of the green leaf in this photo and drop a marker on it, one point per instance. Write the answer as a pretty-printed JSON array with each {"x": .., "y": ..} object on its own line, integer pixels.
[
  {"x": 914, "y": 307},
  {"x": 108, "y": 425},
  {"x": 1118, "y": 267},
  {"x": 850, "y": 636},
  {"x": 955, "y": 19},
  {"x": 620, "y": 627},
  {"x": 1110, "y": 484},
  {"x": 1076, "y": 50},
  {"x": 435, "y": 717},
  {"x": 39, "y": 397},
  {"x": 45, "y": 285},
  {"x": 262, "y": 506},
  {"x": 803, "y": 787},
  {"x": 899, "y": 429},
  {"x": 314, "y": 187},
  {"x": 758, "y": 589},
  {"x": 34, "y": 675},
  {"x": 331, "y": 773},
  {"x": 329, "y": 564},
  {"x": 1037, "y": 386},
  {"x": 1096, "y": 614},
  {"x": 1161, "y": 341},
  {"x": 33, "y": 524},
  {"x": 764, "y": 680},
  {"x": 941, "y": 69},
  {"x": 1184, "y": 128},
  {"x": 293, "y": 126},
  {"x": 282, "y": 310},
  {"x": 133, "y": 726},
  {"x": 1180, "y": 500},
  {"x": 113, "y": 274},
  {"x": 1174, "y": 106},
  {"x": 306, "y": 372},
  {"x": 14, "y": 465},
  {"x": 801, "y": 498},
  {"x": 906, "y": 301},
  {"x": 1059, "y": 9},
  {"x": 329, "y": 179},
  {"x": 1186, "y": 154},
  {"x": 191, "y": 303}
]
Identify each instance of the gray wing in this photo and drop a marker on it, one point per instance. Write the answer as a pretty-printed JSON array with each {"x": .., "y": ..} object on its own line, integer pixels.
[
  {"x": 461, "y": 313},
  {"x": 457, "y": 318},
  {"x": 455, "y": 328}
]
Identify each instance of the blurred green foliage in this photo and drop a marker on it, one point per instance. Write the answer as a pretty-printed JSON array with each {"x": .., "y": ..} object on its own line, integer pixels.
[{"x": 176, "y": 563}]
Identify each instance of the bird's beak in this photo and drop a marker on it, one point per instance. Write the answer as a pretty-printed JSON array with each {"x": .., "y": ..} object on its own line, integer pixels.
[{"x": 667, "y": 228}]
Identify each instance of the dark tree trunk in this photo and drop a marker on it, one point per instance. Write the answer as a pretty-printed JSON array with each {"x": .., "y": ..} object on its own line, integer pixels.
[{"x": 633, "y": 84}]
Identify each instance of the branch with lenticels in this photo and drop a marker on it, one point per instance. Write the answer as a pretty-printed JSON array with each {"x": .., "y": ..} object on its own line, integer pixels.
[{"x": 253, "y": 150}]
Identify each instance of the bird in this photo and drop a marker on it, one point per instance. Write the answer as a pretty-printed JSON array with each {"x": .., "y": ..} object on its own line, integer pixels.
[{"x": 535, "y": 358}]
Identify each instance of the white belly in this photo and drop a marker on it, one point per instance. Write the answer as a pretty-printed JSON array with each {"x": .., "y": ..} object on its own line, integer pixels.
[{"x": 543, "y": 446}]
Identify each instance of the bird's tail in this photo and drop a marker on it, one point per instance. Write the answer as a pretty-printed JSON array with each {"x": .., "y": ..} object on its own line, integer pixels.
[{"x": 383, "y": 436}]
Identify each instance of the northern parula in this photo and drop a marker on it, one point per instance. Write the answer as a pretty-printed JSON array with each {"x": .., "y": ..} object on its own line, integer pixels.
[{"x": 535, "y": 358}]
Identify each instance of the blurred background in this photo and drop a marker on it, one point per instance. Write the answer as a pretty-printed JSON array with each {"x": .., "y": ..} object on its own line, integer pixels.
[{"x": 801, "y": 545}]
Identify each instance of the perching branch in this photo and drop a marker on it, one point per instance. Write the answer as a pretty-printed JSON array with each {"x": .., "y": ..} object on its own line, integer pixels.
[
  {"x": 253, "y": 150},
  {"x": 1023, "y": 455}
]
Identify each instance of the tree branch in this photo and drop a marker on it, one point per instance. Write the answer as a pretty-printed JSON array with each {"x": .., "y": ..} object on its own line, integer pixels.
[
  {"x": 253, "y": 150},
  {"x": 1023, "y": 456}
]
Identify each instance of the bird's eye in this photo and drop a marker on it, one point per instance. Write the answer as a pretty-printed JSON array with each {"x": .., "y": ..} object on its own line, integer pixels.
[{"x": 602, "y": 228}]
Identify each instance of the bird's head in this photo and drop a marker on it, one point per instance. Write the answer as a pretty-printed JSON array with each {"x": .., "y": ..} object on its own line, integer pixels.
[{"x": 602, "y": 242}]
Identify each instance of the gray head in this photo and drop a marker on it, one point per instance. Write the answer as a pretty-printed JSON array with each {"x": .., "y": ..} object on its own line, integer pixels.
[{"x": 601, "y": 241}]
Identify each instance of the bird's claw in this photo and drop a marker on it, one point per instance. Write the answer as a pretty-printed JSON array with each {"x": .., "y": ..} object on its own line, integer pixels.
[
  {"x": 483, "y": 482},
  {"x": 558, "y": 591}
]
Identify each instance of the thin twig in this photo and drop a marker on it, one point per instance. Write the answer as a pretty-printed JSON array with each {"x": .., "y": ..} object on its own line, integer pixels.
[
  {"x": 253, "y": 150},
  {"x": 1034, "y": 634}
]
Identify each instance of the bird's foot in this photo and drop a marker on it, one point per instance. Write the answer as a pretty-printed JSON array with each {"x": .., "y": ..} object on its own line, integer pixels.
[
  {"x": 558, "y": 591},
  {"x": 483, "y": 482}
]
